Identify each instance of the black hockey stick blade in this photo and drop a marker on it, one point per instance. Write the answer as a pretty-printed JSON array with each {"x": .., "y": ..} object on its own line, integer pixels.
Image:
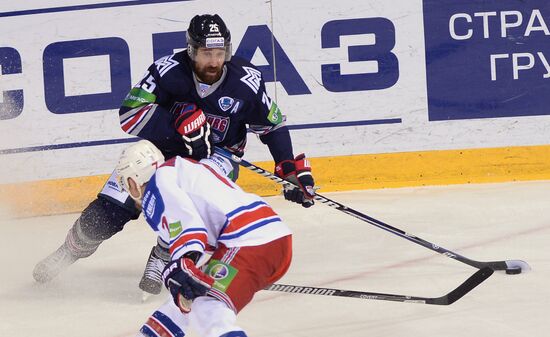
[{"x": 464, "y": 288}]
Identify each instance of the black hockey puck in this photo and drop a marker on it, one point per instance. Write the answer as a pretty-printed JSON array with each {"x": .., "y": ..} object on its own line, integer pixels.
[{"x": 513, "y": 271}]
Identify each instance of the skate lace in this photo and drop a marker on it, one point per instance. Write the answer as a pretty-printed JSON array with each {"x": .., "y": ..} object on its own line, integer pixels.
[{"x": 154, "y": 268}]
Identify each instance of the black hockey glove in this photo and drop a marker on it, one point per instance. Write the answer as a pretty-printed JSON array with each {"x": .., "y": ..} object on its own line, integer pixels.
[
  {"x": 191, "y": 124},
  {"x": 297, "y": 171},
  {"x": 185, "y": 282}
]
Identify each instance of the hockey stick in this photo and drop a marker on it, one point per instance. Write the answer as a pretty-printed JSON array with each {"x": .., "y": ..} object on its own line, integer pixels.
[
  {"x": 456, "y": 294},
  {"x": 510, "y": 266}
]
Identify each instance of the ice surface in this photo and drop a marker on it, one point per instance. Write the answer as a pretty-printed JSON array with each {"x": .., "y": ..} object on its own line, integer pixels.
[{"x": 99, "y": 296}]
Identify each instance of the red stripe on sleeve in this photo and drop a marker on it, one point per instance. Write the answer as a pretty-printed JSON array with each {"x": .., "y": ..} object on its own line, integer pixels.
[
  {"x": 246, "y": 218},
  {"x": 202, "y": 237},
  {"x": 136, "y": 118}
]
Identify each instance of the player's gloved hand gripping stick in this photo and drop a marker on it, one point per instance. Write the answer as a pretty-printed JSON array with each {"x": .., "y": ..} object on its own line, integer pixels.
[
  {"x": 298, "y": 172},
  {"x": 185, "y": 282}
]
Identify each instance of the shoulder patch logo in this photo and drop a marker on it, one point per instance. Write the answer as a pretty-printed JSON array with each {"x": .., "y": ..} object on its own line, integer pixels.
[
  {"x": 253, "y": 78},
  {"x": 226, "y": 103},
  {"x": 164, "y": 64}
]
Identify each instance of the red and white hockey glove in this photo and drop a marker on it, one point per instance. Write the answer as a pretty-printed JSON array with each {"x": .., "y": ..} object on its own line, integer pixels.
[
  {"x": 185, "y": 282},
  {"x": 297, "y": 171},
  {"x": 195, "y": 131}
]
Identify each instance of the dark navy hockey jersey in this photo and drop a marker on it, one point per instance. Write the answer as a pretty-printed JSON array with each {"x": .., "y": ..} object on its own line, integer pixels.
[{"x": 237, "y": 101}]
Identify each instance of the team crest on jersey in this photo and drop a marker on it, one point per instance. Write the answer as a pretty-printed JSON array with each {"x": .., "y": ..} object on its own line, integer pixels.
[
  {"x": 178, "y": 108},
  {"x": 226, "y": 103},
  {"x": 219, "y": 126}
]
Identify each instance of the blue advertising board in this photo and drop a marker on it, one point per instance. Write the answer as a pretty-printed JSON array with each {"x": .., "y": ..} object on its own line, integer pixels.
[{"x": 487, "y": 59}]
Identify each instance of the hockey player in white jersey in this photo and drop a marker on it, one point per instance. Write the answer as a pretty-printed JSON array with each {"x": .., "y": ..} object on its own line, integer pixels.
[
  {"x": 198, "y": 212},
  {"x": 186, "y": 104}
]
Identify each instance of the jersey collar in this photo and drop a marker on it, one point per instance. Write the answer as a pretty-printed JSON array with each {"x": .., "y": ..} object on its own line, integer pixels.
[{"x": 203, "y": 90}]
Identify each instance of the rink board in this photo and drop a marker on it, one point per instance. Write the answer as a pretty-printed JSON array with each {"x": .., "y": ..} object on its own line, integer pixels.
[
  {"x": 376, "y": 171},
  {"x": 361, "y": 81}
]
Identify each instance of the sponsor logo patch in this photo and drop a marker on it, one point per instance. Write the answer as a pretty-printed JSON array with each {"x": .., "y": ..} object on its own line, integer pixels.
[
  {"x": 113, "y": 185},
  {"x": 275, "y": 116},
  {"x": 175, "y": 229},
  {"x": 222, "y": 273},
  {"x": 215, "y": 42},
  {"x": 218, "y": 272},
  {"x": 137, "y": 97}
]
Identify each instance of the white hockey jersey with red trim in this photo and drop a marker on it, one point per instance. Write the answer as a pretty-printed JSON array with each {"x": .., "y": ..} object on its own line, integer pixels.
[{"x": 193, "y": 207}]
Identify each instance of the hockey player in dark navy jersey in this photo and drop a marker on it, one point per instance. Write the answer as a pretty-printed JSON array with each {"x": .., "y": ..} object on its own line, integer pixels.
[
  {"x": 237, "y": 99},
  {"x": 186, "y": 104}
]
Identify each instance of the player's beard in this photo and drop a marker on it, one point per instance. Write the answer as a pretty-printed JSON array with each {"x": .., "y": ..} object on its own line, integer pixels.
[{"x": 209, "y": 75}]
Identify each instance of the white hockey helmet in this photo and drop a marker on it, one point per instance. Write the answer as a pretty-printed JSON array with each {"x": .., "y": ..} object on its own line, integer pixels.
[{"x": 139, "y": 161}]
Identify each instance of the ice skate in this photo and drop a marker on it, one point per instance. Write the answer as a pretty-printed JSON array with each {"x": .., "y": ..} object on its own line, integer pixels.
[
  {"x": 151, "y": 281},
  {"x": 55, "y": 263}
]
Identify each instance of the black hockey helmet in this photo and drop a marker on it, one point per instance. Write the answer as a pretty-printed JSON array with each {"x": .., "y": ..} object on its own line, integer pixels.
[{"x": 208, "y": 31}]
